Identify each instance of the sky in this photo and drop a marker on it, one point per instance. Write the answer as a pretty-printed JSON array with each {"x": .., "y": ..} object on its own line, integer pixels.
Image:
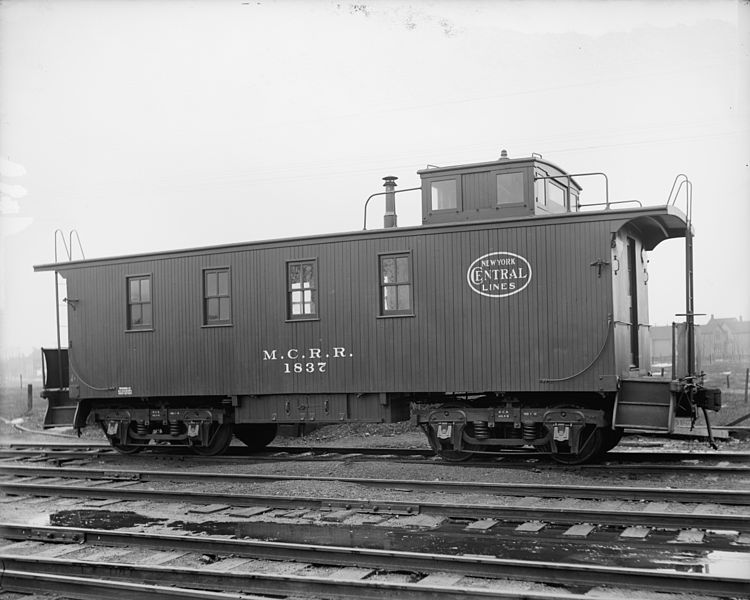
[{"x": 156, "y": 125}]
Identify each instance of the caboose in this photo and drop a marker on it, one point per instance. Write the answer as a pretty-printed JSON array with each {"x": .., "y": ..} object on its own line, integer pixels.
[{"x": 513, "y": 316}]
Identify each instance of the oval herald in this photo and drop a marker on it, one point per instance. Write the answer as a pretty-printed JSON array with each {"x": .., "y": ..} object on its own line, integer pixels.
[{"x": 499, "y": 274}]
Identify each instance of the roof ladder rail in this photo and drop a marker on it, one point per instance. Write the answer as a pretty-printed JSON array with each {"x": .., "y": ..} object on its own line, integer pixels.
[{"x": 68, "y": 246}]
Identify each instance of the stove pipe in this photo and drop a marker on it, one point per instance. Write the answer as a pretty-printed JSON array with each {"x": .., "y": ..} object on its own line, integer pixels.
[{"x": 390, "y": 218}]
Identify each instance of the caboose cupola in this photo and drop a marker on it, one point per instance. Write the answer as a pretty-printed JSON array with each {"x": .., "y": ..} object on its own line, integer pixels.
[{"x": 500, "y": 189}]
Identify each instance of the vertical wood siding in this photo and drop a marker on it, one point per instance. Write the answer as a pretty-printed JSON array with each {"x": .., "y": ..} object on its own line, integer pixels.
[{"x": 457, "y": 340}]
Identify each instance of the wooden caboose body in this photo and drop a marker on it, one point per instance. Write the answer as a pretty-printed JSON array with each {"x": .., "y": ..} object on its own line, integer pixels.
[{"x": 509, "y": 304}]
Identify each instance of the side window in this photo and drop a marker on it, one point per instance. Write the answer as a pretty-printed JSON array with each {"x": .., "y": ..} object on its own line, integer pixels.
[
  {"x": 395, "y": 284},
  {"x": 540, "y": 191},
  {"x": 302, "y": 289},
  {"x": 443, "y": 195},
  {"x": 510, "y": 188},
  {"x": 217, "y": 297},
  {"x": 139, "y": 303},
  {"x": 555, "y": 193}
]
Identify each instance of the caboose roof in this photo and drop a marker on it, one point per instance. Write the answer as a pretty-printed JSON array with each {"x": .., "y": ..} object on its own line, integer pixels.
[
  {"x": 495, "y": 164},
  {"x": 654, "y": 224}
]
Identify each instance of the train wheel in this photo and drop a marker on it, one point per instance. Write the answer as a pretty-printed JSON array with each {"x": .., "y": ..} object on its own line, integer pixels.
[
  {"x": 455, "y": 455},
  {"x": 591, "y": 446},
  {"x": 128, "y": 448},
  {"x": 255, "y": 436},
  {"x": 131, "y": 448},
  {"x": 221, "y": 437},
  {"x": 443, "y": 450},
  {"x": 591, "y": 443}
]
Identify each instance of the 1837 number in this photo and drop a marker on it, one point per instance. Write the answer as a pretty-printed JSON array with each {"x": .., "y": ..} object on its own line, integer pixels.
[{"x": 308, "y": 367}]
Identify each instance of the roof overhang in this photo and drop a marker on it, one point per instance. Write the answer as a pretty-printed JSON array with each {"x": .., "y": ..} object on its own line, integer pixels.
[{"x": 658, "y": 225}]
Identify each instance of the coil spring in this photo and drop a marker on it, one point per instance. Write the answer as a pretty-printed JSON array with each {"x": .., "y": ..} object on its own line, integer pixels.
[
  {"x": 481, "y": 430},
  {"x": 174, "y": 428},
  {"x": 140, "y": 428},
  {"x": 529, "y": 431}
]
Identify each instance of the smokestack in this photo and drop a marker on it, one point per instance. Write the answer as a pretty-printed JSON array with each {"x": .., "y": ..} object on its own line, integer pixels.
[{"x": 389, "y": 220}]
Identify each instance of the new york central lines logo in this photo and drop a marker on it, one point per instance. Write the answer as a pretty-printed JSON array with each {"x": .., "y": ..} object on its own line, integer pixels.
[{"x": 499, "y": 274}]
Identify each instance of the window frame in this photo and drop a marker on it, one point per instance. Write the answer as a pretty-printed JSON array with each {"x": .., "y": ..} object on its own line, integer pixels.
[
  {"x": 290, "y": 317},
  {"x": 129, "y": 327},
  {"x": 524, "y": 188},
  {"x": 552, "y": 184},
  {"x": 388, "y": 314},
  {"x": 204, "y": 297},
  {"x": 540, "y": 185},
  {"x": 543, "y": 180},
  {"x": 457, "y": 180}
]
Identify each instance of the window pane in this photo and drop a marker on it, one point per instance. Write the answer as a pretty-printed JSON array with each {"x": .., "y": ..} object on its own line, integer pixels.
[
  {"x": 146, "y": 311},
  {"x": 296, "y": 308},
  {"x": 295, "y": 276},
  {"x": 223, "y": 283},
  {"x": 307, "y": 276},
  {"x": 212, "y": 309},
  {"x": 224, "y": 308},
  {"x": 539, "y": 191},
  {"x": 390, "y": 298},
  {"x": 555, "y": 194},
  {"x": 387, "y": 270},
  {"x": 509, "y": 188},
  {"x": 134, "y": 293},
  {"x": 212, "y": 286},
  {"x": 404, "y": 297},
  {"x": 311, "y": 300},
  {"x": 402, "y": 269},
  {"x": 145, "y": 289},
  {"x": 444, "y": 195},
  {"x": 296, "y": 297},
  {"x": 136, "y": 316}
]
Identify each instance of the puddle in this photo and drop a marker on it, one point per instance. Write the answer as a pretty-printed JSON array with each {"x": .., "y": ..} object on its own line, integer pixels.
[
  {"x": 727, "y": 563},
  {"x": 40, "y": 520},
  {"x": 100, "y": 519},
  {"x": 714, "y": 562}
]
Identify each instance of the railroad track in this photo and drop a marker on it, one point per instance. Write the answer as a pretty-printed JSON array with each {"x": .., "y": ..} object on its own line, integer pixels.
[
  {"x": 501, "y": 525},
  {"x": 315, "y": 569},
  {"x": 625, "y": 461},
  {"x": 637, "y": 493},
  {"x": 129, "y": 485}
]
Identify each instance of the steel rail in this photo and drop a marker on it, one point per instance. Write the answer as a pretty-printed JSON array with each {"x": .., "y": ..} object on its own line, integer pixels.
[
  {"x": 671, "y": 468},
  {"x": 508, "y": 462},
  {"x": 635, "y": 467},
  {"x": 612, "y": 456},
  {"x": 95, "y": 589},
  {"x": 516, "y": 513},
  {"x": 735, "y": 497},
  {"x": 271, "y": 583},
  {"x": 90, "y": 587},
  {"x": 18, "y": 448}
]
